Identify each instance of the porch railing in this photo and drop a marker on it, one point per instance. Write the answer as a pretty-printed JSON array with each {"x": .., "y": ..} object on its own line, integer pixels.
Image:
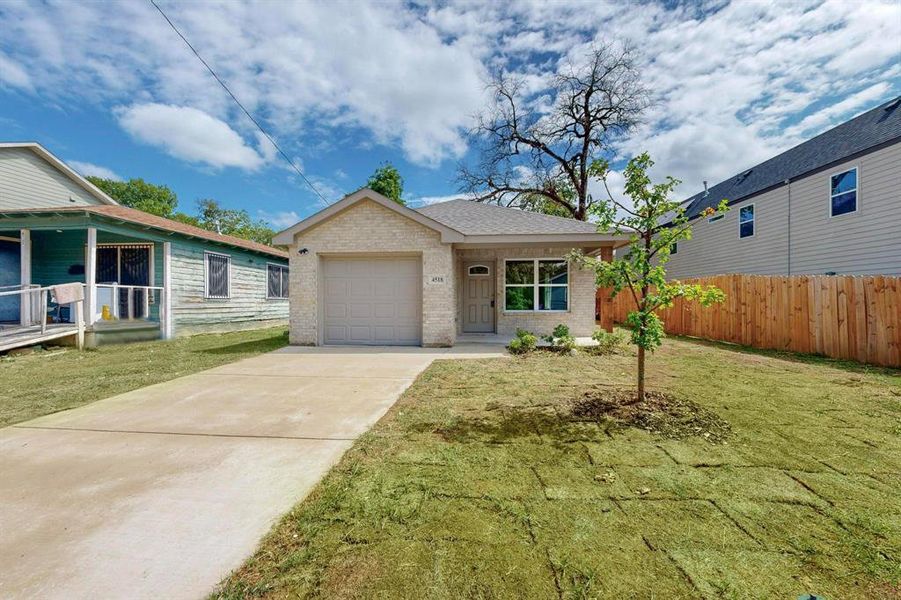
[
  {"x": 130, "y": 302},
  {"x": 34, "y": 305},
  {"x": 111, "y": 302}
]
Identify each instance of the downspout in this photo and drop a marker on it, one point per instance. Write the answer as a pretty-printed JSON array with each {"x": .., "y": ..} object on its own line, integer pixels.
[{"x": 789, "y": 184}]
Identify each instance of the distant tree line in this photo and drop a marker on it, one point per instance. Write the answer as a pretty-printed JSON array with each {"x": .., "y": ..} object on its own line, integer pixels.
[{"x": 160, "y": 200}]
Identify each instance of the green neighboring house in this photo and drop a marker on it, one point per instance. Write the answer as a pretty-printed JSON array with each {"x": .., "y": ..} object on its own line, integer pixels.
[{"x": 143, "y": 276}]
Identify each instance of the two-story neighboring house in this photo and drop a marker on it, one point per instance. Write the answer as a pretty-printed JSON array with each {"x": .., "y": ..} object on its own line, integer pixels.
[{"x": 831, "y": 205}]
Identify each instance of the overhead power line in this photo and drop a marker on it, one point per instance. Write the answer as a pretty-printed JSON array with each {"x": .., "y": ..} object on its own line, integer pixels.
[{"x": 238, "y": 102}]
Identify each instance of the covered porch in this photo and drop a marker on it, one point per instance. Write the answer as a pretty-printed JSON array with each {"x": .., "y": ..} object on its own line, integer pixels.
[{"x": 124, "y": 275}]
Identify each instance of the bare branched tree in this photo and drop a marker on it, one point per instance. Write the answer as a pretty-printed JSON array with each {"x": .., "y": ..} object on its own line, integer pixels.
[{"x": 541, "y": 158}]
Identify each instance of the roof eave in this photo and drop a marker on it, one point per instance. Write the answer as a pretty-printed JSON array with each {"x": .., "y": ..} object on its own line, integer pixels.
[
  {"x": 534, "y": 239},
  {"x": 286, "y": 237}
]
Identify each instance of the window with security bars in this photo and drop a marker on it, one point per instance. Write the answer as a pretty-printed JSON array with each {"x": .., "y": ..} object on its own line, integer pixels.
[
  {"x": 218, "y": 275},
  {"x": 277, "y": 281}
]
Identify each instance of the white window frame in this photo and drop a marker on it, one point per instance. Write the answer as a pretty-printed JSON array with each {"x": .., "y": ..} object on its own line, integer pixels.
[
  {"x": 469, "y": 272},
  {"x": 206, "y": 275},
  {"x": 856, "y": 191},
  {"x": 280, "y": 266},
  {"x": 674, "y": 249},
  {"x": 716, "y": 218},
  {"x": 536, "y": 285},
  {"x": 753, "y": 221}
]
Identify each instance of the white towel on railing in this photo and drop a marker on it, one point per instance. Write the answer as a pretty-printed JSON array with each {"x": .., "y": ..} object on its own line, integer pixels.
[{"x": 67, "y": 292}]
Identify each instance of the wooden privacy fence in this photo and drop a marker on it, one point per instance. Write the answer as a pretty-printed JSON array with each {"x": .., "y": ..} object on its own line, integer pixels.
[{"x": 856, "y": 318}]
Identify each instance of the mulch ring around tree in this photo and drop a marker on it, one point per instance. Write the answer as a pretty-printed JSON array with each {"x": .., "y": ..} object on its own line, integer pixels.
[{"x": 659, "y": 413}]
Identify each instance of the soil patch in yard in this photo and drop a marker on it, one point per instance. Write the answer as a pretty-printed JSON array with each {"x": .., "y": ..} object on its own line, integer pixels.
[{"x": 659, "y": 413}]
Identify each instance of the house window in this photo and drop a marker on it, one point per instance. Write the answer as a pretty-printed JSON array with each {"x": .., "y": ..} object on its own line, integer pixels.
[
  {"x": 218, "y": 275},
  {"x": 843, "y": 193},
  {"x": 674, "y": 248},
  {"x": 746, "y": 221},
  {"x": 277, "y": 281},
  {"x": 539, "y": 285},
  {"x": 715, "y": 218},
  {"x": 478, "y": 271}
]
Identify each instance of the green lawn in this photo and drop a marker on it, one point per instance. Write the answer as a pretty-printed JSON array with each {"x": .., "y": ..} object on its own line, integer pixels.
[
  {"x": 479, "y": 483},
  {"x": 45, "y": 382}
]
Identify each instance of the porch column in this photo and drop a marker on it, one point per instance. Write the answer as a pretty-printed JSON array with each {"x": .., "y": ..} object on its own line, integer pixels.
[
  {"x": 166, "y": 317},
  {"x": 90, "y": 278},
  {"x": 603, "y": 301},
  {"x": 26, "y": 301}
]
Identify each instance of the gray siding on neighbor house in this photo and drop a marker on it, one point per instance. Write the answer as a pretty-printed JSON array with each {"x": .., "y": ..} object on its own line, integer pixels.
[
  {"x": 867, "y": 241},
  {"x": 248, "y": 305},
  {"x": 29, "y": 181}
]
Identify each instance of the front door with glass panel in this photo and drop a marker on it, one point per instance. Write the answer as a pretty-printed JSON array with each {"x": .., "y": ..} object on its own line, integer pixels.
[
  {"x": 124, "y": 265},
  {"x": 478, "y": 297}
]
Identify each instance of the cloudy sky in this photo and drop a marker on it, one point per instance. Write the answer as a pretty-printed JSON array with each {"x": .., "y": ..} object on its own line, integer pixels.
[{"x": 343, "y": 87}]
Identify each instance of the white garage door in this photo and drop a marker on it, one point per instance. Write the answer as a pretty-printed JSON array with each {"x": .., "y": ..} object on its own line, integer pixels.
[{"x": 372, "y": 301}]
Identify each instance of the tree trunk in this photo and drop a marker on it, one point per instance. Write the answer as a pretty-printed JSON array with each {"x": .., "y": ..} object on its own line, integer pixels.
[{"x": 640, "y": 374}]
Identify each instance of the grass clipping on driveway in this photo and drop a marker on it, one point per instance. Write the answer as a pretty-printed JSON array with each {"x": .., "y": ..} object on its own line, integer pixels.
[
  {"x": 482, "y": 482},
  {"x": 45, "y": 382}
]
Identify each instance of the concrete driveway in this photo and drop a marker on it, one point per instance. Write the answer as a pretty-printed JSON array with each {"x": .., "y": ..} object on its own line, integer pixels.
[{"x": 160, "y": 492}]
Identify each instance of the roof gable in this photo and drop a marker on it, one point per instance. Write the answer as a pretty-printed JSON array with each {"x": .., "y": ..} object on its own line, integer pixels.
[
  {"x": 286, "y": 237},
  {"x": 69, "y": 174}
]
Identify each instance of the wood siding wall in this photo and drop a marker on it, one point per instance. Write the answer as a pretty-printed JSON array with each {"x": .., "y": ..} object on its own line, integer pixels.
[
  {"x": 247, "y": 306},
  {"x": 865, "y": 242},
  {"x": 855, "y": 318},
  {"x": 29, "y": 181}
]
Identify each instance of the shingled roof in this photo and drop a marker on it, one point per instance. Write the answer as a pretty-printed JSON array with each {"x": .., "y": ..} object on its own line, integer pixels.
[
  {"x": 476, "y": 218},
  {"x": 131, "y": 215},
  {"x": 873, "y": 128}
]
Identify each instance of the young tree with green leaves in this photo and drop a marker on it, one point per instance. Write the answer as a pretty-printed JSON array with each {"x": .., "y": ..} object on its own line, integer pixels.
[
  {"x": 654, "y": 223},
  {"x": 388, "y": 182}
]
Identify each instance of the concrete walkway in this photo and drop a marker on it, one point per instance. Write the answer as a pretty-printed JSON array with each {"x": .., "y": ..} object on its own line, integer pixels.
[{"x": 160, "y": 492}]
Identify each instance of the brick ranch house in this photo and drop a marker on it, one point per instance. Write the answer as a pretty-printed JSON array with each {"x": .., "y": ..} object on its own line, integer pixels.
[{"x": 367, "y": 270}]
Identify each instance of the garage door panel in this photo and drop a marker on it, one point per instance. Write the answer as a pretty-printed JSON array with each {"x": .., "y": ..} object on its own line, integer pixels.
[
  {"x": 335, "y": 311},
  {"x": 372, "y": 301}
]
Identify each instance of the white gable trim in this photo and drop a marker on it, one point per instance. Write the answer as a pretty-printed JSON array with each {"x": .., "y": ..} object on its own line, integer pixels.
[
  {"x": 286, "y": 237},
  {"x": 62, "y": 168}
]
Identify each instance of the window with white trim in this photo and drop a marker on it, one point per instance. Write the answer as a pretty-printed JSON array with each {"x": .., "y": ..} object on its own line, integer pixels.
[
  {"x": 276, "y": 281},
  {"x": 479, "y": 271},
  {"x": 536, "y": 285},
  {"x": 843, "y": 193},
  {"x": 715, "y": 218},
  {"x": 217, "y": 278},
  {"x": 746, "y": 221}
]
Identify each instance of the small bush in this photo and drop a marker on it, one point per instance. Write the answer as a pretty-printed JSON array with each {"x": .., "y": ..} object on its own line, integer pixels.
[
  {"x": 560, "y": 339},
  {"x": 608, "y": 343},
  {"x": 523, "y": 343}
]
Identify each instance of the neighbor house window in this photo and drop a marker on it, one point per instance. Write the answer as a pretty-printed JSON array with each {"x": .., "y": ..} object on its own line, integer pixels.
[
  {"x": 536, "y": 285},
  {"x": 218, "y": 275},
  {"x": 843, "y": 192},
  {"x": 715, "y": 218},
  {"x": 746, "y": 221},
  {"x": 277, "y": 281},
  {"x": 674, "y": 248}
]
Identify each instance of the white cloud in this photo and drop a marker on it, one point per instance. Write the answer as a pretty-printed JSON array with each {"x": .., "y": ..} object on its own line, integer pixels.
[
  {"x": 189, "y": 134},
  {"x": 86, "y": 169},
  {"x": 280, "y": 220},
  {"x": 733, "y": 79},
  {"x": 427, "y": 200}
]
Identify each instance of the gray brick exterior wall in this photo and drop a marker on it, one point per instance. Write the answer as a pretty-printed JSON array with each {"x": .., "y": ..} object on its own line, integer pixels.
[{"x": 369, "y": 229}]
